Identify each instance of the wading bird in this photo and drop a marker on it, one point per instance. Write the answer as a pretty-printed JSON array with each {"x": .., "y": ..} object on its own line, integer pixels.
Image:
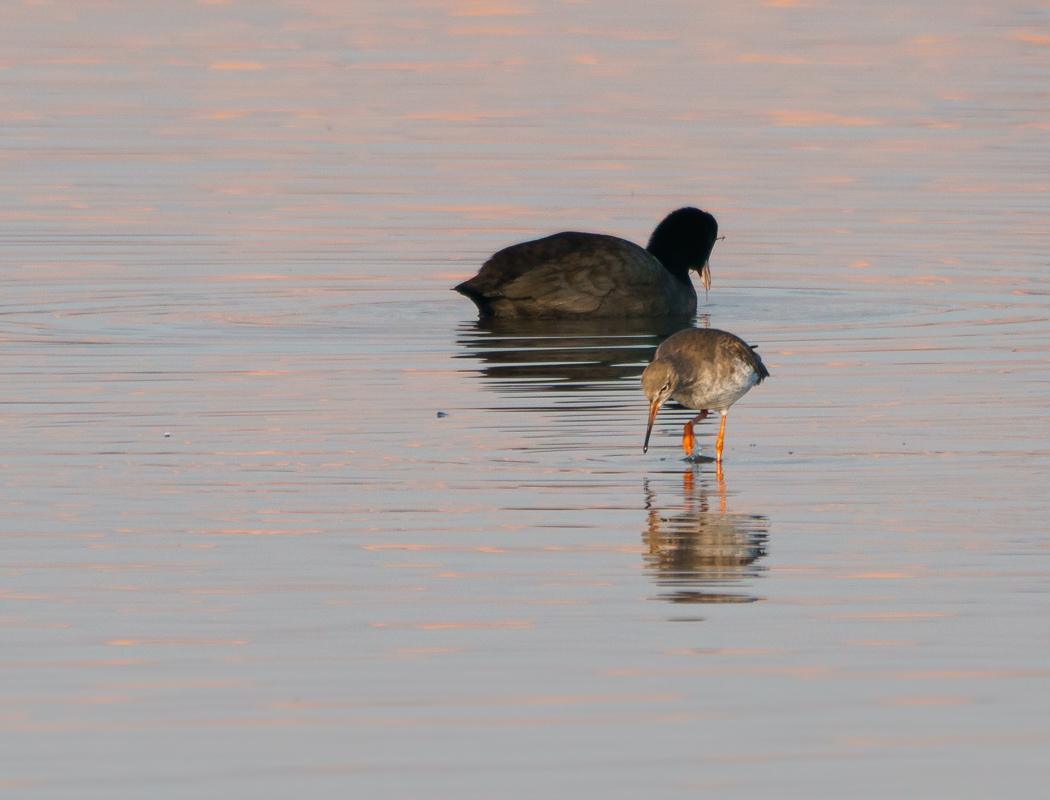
[{"x": 703, "y": 369}]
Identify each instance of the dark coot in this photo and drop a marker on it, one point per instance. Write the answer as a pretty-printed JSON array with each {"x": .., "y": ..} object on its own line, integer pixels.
[{"x": 574, "y": 274}]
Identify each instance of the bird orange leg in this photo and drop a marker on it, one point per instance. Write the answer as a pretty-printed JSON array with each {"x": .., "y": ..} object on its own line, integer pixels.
[
  {"x": 721, "y": 440},
  {"x": 688, "y": 439}
]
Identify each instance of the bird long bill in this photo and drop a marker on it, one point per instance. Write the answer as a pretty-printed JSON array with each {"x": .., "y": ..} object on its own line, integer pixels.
[
  {"x": 705, "y": 275},
  {"x": 653, "y": 408}
]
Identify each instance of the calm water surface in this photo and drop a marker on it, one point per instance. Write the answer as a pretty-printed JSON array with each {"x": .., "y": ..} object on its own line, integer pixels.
[{"x": 281, "y": 518}]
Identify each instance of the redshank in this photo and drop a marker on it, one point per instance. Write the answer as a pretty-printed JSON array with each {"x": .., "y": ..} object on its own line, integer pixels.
[
  {"x": 703, "y": 369},
  {"x": 575, "y": 274}
]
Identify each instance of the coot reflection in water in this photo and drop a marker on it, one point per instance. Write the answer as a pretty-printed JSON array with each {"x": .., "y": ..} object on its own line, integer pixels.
[
  {"x": 581, "y": 355},
  {"x": 695, "y": 545}
]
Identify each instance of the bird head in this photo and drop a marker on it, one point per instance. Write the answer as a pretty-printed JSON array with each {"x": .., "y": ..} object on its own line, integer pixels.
[
  {"x": 683, "y": 241},
  {"x": 659, "y": 380}
]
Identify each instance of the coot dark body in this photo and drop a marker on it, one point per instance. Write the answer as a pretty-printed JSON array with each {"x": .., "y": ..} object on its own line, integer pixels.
[{"x": 574, "y": 274}]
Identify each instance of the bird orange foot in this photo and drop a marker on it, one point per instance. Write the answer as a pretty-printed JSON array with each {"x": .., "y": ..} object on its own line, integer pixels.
[{"x": 688, "y": 438}]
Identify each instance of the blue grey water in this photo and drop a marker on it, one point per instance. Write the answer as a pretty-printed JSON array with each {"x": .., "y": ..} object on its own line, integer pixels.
[{"x": 279, "y": 517}]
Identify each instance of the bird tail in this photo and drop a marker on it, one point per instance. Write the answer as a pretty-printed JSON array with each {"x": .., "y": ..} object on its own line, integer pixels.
[
  {"x": 483, "y": 303},
  {"x": 760, "y": 368}
]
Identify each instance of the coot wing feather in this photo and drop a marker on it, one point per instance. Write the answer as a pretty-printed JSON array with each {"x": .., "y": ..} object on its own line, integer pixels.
[
  {"x": 579, "y": 280},
  {"x": 567, "y": 271},
  {"x": 512, "y": 262}
]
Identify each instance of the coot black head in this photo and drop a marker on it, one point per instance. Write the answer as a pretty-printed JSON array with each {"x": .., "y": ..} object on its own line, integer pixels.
[{"x": 683, "y": 241}]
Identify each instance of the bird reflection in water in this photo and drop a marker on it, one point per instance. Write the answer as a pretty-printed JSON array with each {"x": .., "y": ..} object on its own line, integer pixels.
[
  {"x": 564, "y": 355},
  {"x": 698, "y": 550}
]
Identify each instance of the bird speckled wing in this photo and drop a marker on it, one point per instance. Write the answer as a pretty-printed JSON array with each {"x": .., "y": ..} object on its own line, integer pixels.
[{"x": 722, "y": 367}]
